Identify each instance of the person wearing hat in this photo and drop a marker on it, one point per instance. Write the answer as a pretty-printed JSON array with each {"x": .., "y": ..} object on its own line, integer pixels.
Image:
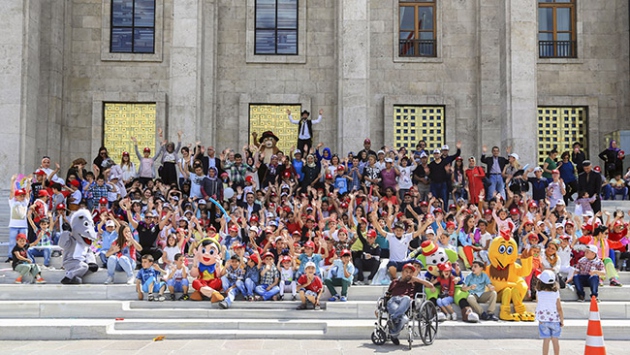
[
  {"x": 309, "y": 255},
  {"x": 38, "y": 184},
  {"x": 399, "y": 296},
  {"x": 367, "y": 149},
  {"x": 369, "y": 257},
  {"x": 310, "y": 287},
  {"x": 589, "y": 270},
  {"x": 108, "y": 233},
  {"x": 538, "y": 182},
  {"x": 549, "y": 312},
  {"x": 439, "y": 176},
  {"x": 22, "y": 264},
  {"x": 18, "y": 207},
  {"x": 591, "y": 182},
  {"x": 146, "y": 170},
  {"x": 269, "y": 279},
  {"x": 288, "y": 282},
  {"x": 305, "y": 128},
  {"x": 613, "y": 159},
  {"x": 148, "y": 230},
  {"x": 232, "y": 280},
  {"x": 578, "y": 156},
  {"x": 494, "y": 170},
  {"x": 251, "y": 276},
  {"x": 341, "y": 274},
  {"x": 37, "y": 211}
]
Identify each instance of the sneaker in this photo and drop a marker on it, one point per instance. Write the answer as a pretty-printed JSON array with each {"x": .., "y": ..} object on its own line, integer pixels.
[
  {"x": 395, "y": 341},
  {"x": 343, "y": 299},
  {"x": 9, "y": 260},
  {"x": 184, "y": 298},
  {"x": 110, "y": 280},
  {"x": 333, "y": 298},
  {"x": 571, "y": 287},
  {"x": 614, "y": 282},
  {"x": 172, "y": 296},
  {"x": 580, "y": 299},
  {"x": 360, "y": 283},
  {"x": 484, "y": 316},
  {"x": 131, "y": 280},
  {"x": 317, "y": 307},
  {"x": 161, "y": 298},
  {"x": 492, "y": 317},
  {"x": 453, "y": 316},
  {"x": 40, "y": 280},
  {"x": 150, "y": 298},
  {"x": 601, "y": 282},
  {"x": 294, "y": 298},
  {"x": 223, "y": 304},
  {"x": 302, "y": 306},
  {"x": 18, "y": 280}
]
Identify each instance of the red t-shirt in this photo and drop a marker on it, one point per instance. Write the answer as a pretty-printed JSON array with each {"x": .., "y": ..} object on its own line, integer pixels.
[
  {"x": 40, "y": 209},
  {"x": 314, "y": 286}
]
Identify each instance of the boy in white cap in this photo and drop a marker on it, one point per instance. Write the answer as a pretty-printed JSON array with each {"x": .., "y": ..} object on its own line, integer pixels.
[{"x": 589, "y": 269}]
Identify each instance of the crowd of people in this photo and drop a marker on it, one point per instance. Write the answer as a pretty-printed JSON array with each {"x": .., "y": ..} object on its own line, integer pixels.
[{"x": 299, "y": 221}]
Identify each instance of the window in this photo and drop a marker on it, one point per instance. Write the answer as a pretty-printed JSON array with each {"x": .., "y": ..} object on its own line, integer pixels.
[
  {"x": 557, "y": 29},
  {"x": 414, "y": 123},
  {"x": 276, "y": 28},
  {"x": 125, "y": 120},
  {"x": 559, "y": 127},
  {"x": 417, "y": 28},
  {"x": 132, "y": 26},
  {"x": 274, "y": 118}
]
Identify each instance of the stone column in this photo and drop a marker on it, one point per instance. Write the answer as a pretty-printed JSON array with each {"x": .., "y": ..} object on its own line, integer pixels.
[
  {"x": 353, "y": 41},
  {"x": 518, "y": 78},
  {"x": 206, "y": 127},
  {"x": 19, "y": 86},
  {"x": 184, "y": 91}
]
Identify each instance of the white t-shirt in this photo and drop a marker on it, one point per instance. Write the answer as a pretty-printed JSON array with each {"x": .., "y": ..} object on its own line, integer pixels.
[
  {"x": 398, "y": 247},
  {"x": 18, "y": 213},
  {"x": 486, "y": 237},
  {"x": 565, "y": 256},
  {"x": 546, "y": 310}
]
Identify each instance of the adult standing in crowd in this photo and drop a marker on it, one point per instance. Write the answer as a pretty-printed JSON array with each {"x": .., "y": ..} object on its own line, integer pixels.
[
  {"x": 439, "y": 173},
  {"x": 613, "y": 160},
  {"x": 494, "y": 171},
  {"x": 578, "y": 156},
  {"x": 591, "y": 182},
  {"x": 305, "y": 129},
  {"x": 567, "y": 174}
]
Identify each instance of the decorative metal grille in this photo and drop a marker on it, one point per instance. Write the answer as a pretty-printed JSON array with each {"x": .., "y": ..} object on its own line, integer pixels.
[
  {"x": 560, "y": 127},
  {"x": 123, "y": 121},
  {"x": 415, "y": 123},
  {"x": 274, "y": 118}
]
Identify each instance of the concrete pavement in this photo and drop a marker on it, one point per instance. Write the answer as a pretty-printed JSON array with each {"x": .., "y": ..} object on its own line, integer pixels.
[{"x": 309, "y": 347}]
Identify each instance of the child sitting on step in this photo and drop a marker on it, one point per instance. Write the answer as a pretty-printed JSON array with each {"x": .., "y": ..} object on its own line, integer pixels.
[
  {"x": 21, "y": 262},
  {"x": 148, "y": 280},
  {"x": 177, "y": 279}
]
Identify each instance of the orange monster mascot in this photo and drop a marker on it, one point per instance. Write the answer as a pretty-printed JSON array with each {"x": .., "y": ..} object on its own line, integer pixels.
[
  {"x": 207, "y": 269},
  {"x": 507, "y": 277}
]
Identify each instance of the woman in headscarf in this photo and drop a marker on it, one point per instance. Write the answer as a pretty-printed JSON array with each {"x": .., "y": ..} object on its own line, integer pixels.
[
  {"x": 613, "y": 158},
  {"x": 311, "y": 171}
]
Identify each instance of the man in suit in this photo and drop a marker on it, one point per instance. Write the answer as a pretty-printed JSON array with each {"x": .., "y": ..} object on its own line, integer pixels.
[
  {"x": 494, "y": 169},
  {"x": 305, "y": 129},
  {"x": 591, "y": 182},
  {"x": 210, "y": 161},
  {"x": 250, "y": 207}
]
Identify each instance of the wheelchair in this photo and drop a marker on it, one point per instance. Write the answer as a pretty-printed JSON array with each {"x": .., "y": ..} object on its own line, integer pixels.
[{"x": 422, "y": 323}]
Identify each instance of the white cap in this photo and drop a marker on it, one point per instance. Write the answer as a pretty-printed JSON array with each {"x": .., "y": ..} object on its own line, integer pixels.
[
  {"x": 559, "y": 225},
  {"x": 297, "y": 151},
  {"x": 389, "y": 160},
  {"x": 538, "y": 168},
  {"x": 561, "y": 202},
  {"x": 587, "y": 214},
  {"x": 592, "y": 248},
  {"x": 285, "y": 186},
  {"x": 445, "y": 147},
  {"x": 423, "y": 155},
  {"x": 429, "y": 231},
  {"x": 309, "y": 264},
  {"x": 380, "y": 152},
  {"x": 254, "y": 229},
  {"x": 514, "y": 155},
  {"x": 540, "y": 223},
  {"x": 436, "y": 151},
  {"x": 547, "y": 277},
  {"x": 110, "y": 223},
  {"x": 201, "y": 202}
]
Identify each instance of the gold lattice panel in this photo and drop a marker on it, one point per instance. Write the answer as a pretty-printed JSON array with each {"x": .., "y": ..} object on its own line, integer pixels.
[
  {"x": 414, "y": 123},
  {"x": 274, "y": 118},
  {"x": 123, "y": 121},
  {"x": 560, "y": 127}
]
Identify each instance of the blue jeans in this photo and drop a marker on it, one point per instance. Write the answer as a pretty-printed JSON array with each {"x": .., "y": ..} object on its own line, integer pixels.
[
  {"x": 249, "y": 287},
  {"x": 240, "y": 287},
  {"x": 124, "y": 263},
  {"x": 156, "y": 285},
  {"x": 496, "y": 185},
  {"x": 32, "y": 253},
  {"x": 440, "y": 190},
  {"x": 178, "y": 286},
  {"x": 267, "y": 295},
  {"x": 607, "y": 192},
  {"x": 397, "y": 306},
  {"x": 103, "y": 258},
  {"x": 623, "y": 192},
  {"x": 13, "y": 232},
  {"x": 586, "y": 280}
]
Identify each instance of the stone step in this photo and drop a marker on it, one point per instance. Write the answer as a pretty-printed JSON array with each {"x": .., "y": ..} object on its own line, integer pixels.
[
  {"x": 73, "y": 329},
  {"x": 242, "y": 309}
]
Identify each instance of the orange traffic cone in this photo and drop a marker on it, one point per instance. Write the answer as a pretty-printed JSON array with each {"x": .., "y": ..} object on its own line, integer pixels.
[{"x": 594, "y": 333}]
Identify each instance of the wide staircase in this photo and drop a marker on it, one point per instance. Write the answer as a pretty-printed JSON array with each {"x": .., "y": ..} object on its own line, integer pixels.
[{"x": 96, "y": 311}]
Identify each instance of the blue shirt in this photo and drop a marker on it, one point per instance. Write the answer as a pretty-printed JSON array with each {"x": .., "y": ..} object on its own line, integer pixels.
[
  {"x": 567, "y": 172},
  {"x": 145, "y": 274},
  {"x": 341, "y": 184},
  {"x": 481, "y": 281},
  {"x": 316, "y": 258},
  {"x": 337, "y": 270},
  {"x": 108, "y": 239},
  {"x": 252, "y": 273}
]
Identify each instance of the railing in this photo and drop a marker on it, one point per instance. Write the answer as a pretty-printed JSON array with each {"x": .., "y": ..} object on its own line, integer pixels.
[
  {"x": 557, "y": 49},
  {"x": 417, "y": 48}
]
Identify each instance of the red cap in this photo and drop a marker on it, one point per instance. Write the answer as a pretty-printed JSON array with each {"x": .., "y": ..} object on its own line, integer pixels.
[
  {"x": 296, "y": 233},
  {"x": 253, "y": 218},
  {"x": 328, "y": 176},
  {"x": 363, "y": 220},
  {"x": 287, "y": 209},
  {"x": 452, "y": 206},
  {"x": 310, "y": 218},
  {"x": 409, "y": 266},
  {"x": 340, "y": 168},
  {"x": 344, "y": 205},
  {"x": 224, "y": 174},
  {"x": 254, "y": 258},
  {"x": 367, "y": 141},
  {"x": 528, "y": 222},
  {"x": 371, "y": 233},
  {"x": 40, "y": 172},
  {"x": 267, "y": 255},
  {"x": 555, "y": 171},
  {"x": 20, "y": 236},
  {"x": 467, "y": 211},
  {"x": 437, "y": 210},
  {"x": 75, "y": 183},
  {"x": 459, "y": 158},
  {"x": 450, "y": 224},
  {"x": 147, "y": 150},
  {"x": 598, "y": 169},
  {"x": 570, "y": 222},
  {"x": 238, "y": 246},
  {"x": 345, "y": 252},
  {"x": 309, "y": 244},
  {"x": 61, "y": 206},
  {"x": 125, "y": 153},
  {"x": 249, "y": 178},
  {"x": 285, "y": 259},
  {"x": 102, "y": 200},
  {"x": 43, "y": 193},
  {"x": 180, "y": 230},
  {"x": 514, "y": 211},
  {"x": 233, "y": 228},
  {"x": 533, "y": 204},
  {"x": 20, "y": 192},
  {"x": 424, "y": 203},
  {"x": 211, "y": 228}
]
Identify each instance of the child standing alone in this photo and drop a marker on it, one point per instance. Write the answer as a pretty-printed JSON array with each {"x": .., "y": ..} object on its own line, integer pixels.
[{"x": 549, "y": 311}]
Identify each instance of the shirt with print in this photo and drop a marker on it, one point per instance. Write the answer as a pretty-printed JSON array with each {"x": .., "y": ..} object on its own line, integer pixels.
[
  {"x": 145, "y": 274},
  {"x": 269, "y": 277},
  {"x": 315, "y": 285}
]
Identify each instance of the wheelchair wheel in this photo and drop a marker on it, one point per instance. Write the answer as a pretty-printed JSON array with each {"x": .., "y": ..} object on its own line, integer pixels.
[
  {"x": 379, "y": 337},
  {"x": 427, "y": 322}
]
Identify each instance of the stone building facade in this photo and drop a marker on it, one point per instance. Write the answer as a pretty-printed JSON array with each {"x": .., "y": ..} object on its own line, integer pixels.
[{"x": 486, "y": 73}]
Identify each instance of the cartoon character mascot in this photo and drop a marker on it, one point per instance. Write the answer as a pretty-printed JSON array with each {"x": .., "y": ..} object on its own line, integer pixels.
[
  {"x": 430, "y": 255},
  {"x": 508, "y": 277},
  {"x": 78, "y": 257},
  {"x": 267, "y": 144},
  {"x": 207, "y": 269}
]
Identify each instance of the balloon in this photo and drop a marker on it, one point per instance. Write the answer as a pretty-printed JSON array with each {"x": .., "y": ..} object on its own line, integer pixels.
[
  {"x": 227, "y": 218},
  {"x": 228, "y": 193}
]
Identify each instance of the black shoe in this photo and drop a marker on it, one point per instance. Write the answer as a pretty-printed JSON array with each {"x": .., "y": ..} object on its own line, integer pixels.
[
  {"x": 66, "y": 281},
  {"x": 484, "y": 316},
  {"x": 9, "y": 260},
  {"x": 580, "y": 299},
  {"x": 395, "y": 341},
  {"x": 492, "y": 317},
  {"x": 172, "y": 297},
  {"x": 184, "y": 298}
]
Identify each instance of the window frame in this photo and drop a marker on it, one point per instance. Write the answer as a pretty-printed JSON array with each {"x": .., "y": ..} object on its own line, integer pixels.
[
  {"x": 276, "y": 29},
  {"x": 133, "y": 28},
  {"x": 417, "y": 31},
  {"x": 554, "y": 6},
  {"x": 395, "y": 32}
]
